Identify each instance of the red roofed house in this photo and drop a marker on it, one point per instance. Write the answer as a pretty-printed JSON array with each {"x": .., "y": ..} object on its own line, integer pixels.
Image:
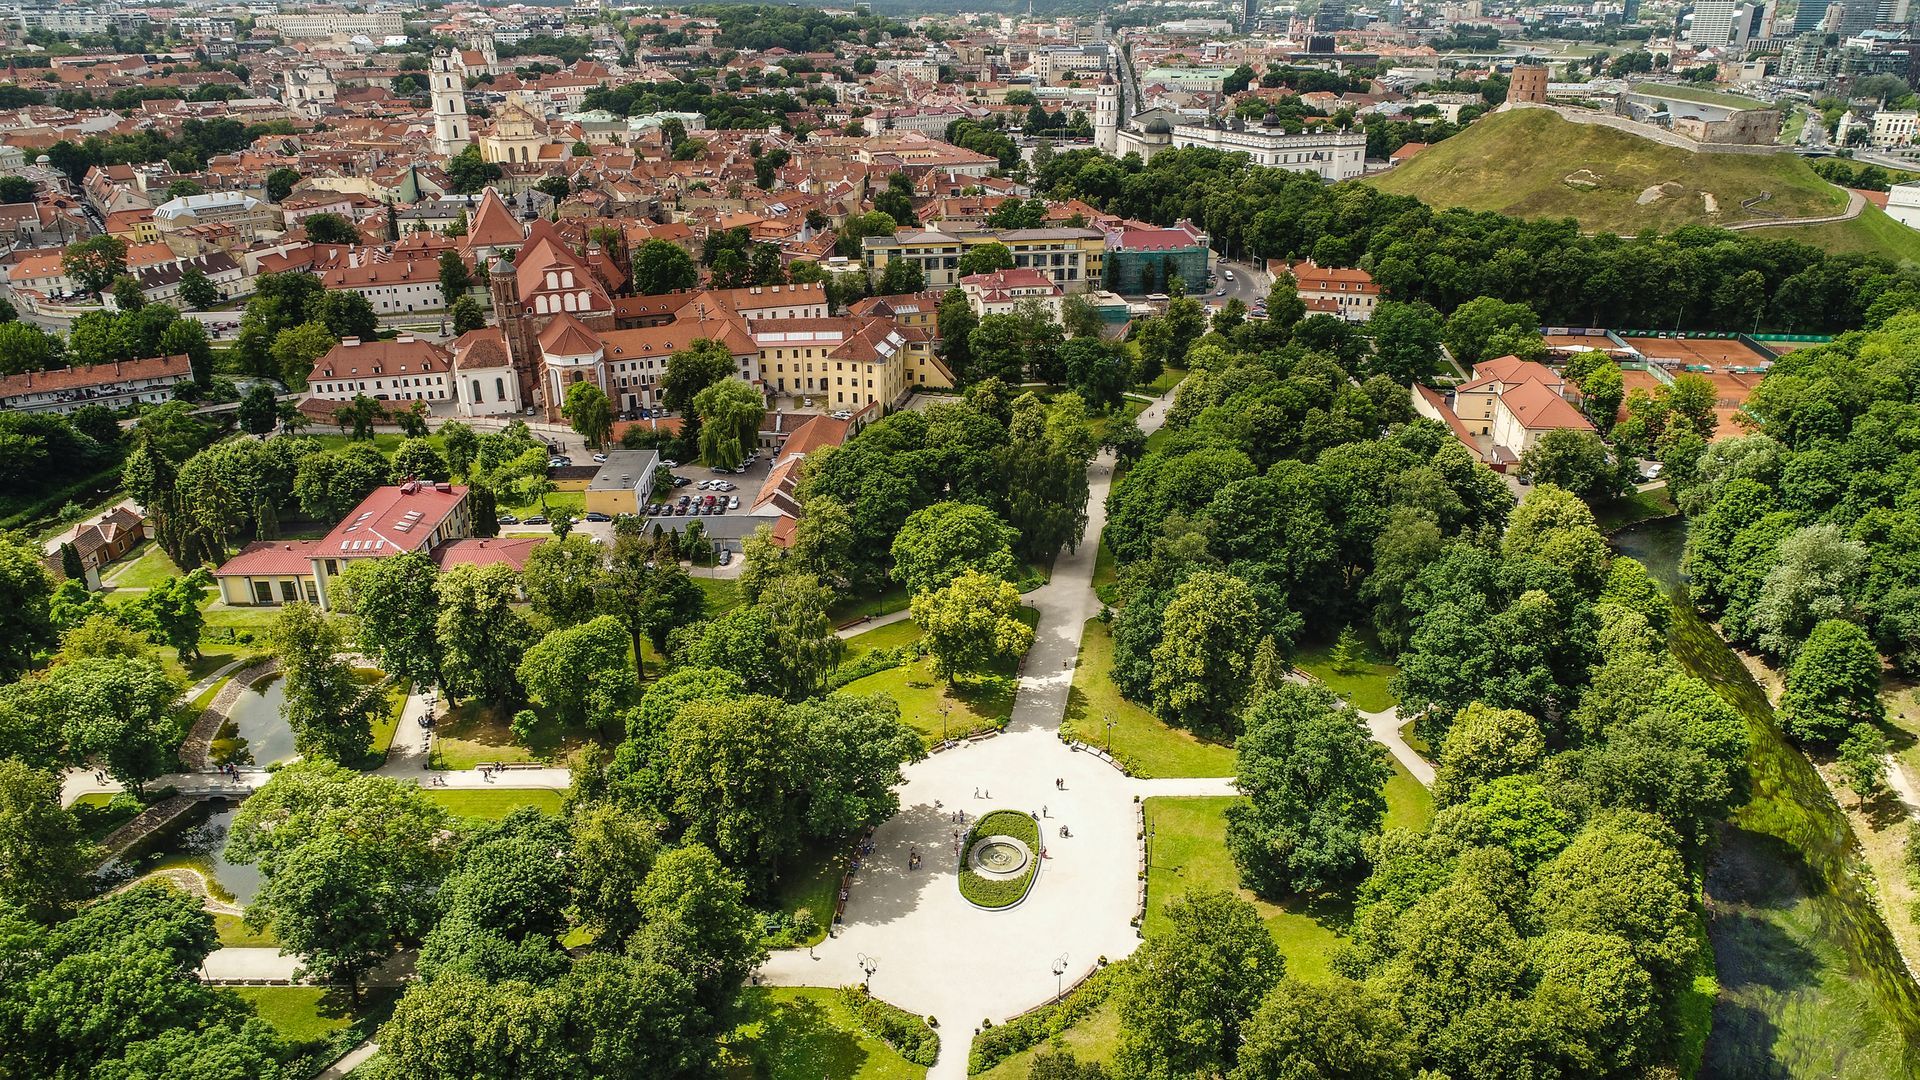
[
  {"x": 1350, "y": 294},
  {"x": 404, "y": 369},
  {"x": 394, "y": 520},
  {"x": 1504, "y": 409},
  {"x": 998, "y": 292}
]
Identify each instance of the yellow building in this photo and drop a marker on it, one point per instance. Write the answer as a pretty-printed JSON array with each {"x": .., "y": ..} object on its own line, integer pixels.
[
  {"x": 624, "y": 483},
  {"x": 842, "y": 363},
  {"x": 1074, "y": 258}
]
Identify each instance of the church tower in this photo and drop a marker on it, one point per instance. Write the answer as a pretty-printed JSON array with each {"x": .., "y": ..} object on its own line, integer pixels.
[
  {"x": 450, "y": 134},
  {"x": 1106, "y": 118}
]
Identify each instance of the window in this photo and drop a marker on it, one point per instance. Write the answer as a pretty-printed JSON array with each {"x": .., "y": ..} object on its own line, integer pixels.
[{"x": 289, "y": 591}]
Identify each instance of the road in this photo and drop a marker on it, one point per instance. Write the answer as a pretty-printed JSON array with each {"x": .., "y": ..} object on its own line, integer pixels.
[{"x": 1250, "y": 283}]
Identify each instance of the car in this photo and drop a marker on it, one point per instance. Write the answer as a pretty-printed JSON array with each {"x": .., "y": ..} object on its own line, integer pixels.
[
  {"x": 680, "y": 511},
  {"x": 537, "y": 519},
  {"x": 695, "y": 510},
  {"x": 1228, "y": 274},
  {"x": 595, "y": 515},
  {"x": 841, "y": 414},
  {"x": 726, "y": 556},
  {"x": 685, "y": 499},
  {"x": 559, "y": 462},
  {"x": 733, "y": 503},
  {"x": 708, "y": 501},
  {"x": 1221, "y": 291},
  {"x": 723, "y": 485},
  {"x": 600, "y": 458},
  {"x": 681, "y": 481},
  {"x": 705, "y": 484},
  {"x": 507, "y": 519},
  {"x": 669, "y": 463}
]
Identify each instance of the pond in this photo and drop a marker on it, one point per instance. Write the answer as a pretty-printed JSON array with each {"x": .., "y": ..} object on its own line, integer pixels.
[
  {"x": 256, "y": 732},
  {"x": 198, "y": 840},
  {"x": 1811, "y": 982}
]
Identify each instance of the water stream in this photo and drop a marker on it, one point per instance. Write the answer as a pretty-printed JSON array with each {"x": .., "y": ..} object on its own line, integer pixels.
[
  {"x": 1811, "y": 981},
  {"x": 256, "y": 732}
]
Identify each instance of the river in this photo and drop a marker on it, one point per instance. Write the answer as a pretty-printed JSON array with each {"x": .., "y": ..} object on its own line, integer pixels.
[{"x": 1811, "y": 983}]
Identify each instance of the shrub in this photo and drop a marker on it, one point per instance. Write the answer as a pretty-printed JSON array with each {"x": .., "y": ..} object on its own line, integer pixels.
[{"x": 909, "y": 1036}]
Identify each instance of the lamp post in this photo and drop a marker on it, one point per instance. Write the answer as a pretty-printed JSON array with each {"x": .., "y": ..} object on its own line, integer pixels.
[
  {"x": 868, "y": 965},
  {"x": 1111, "y": 724},
  {"x": 1149, "y": 851},
  {"x": 945, "y": 707},
  {"x": 1059, "y": 976}
]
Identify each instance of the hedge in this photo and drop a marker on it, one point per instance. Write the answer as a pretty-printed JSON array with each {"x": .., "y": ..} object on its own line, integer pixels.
[
  {"x": 996, "y": 1044},
  {"x": 999, "y": 893},
  {"x": 909, "y": 1035}
]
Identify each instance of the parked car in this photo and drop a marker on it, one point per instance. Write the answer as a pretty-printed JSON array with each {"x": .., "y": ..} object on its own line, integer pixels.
[
  {"x": 842, "y": 414},
  {"x": 600, "y": 458},
  {"x": 685, "y": 499},
  {"x": 681, "y": 481},
  {"x": 559, "y": 462},
  {"x": 733, "y": 503},
  {"x": 537, "y": 519},
  {"x": 680, "y": 511},
  {"x": 726, "y": 556},
  {"x": 507, "y": 519},
  {"x": 669, "y": 463},
  {"x": 708, "y": 501},
  {"x": 595, "y": 515}
]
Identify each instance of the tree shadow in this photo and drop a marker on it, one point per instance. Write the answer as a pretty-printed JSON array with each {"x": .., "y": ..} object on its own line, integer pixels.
[
  {"x": 884, "y": 889},
  {"x": 1740, "y": 1046},
  {"x": 795, "y": 1039}
]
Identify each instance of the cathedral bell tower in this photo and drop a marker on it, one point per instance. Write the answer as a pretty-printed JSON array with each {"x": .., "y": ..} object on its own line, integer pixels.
[{"x": 450, "y": 132}]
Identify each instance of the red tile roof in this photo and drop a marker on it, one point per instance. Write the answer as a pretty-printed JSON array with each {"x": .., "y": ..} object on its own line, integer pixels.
[
  {"x": 1537, "y": 407},
  {"x": 477, "y": 551},
  {"x": 392, "y": 520},
  {"x": 267, "y": 557}
]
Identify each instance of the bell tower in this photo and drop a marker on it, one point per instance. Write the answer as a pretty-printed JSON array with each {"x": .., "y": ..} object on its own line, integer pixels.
[{"x": 450, "y": 132}]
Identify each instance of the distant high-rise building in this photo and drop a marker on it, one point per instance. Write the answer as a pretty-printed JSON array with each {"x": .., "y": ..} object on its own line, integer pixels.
[
  {"x": 1630, "y": 11},
  {"x": 1249, "y": 14},
  {"x": 1712, "y": 23},
  {"x": 1332, "y": 16},
  {"x": 1808, "y": 16}
]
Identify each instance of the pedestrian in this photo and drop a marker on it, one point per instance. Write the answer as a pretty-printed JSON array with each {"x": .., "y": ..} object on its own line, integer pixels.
[
  {"x": 976, "y": 791},
  {"x": 1043, "y": 810}
]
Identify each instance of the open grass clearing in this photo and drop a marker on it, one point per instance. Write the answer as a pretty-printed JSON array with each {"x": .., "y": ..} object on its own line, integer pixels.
[
  {"x": 934, "y": 708},
  {"x": 1138, "y": 738},
  {"x": 142, "y": 568},
  {"x": 492, "y": 804},
  {"x": 472, "y": 734},
  {"x": 1363, "y": 683},
  {"x": 805, "y": 1033},
  {"x": 235, "y": 934},
  {"x": 1096, "y": 1038}
]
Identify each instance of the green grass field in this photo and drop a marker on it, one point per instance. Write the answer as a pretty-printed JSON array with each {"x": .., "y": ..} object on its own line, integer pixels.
[
  {"x": 847, "y": 607},
  {"x": 1364, "y": 684},
  {"x": 890, "y": 636},
  {"x": 234, "y": 934},
  {"x": 805, "y": 1033},
  {"x": 1532, "y": 163},
  {"x": 810, "y": 882},
  {"x": 976, "y": 703},
  {"x": 142, "y": 568},
  {"x": 1093, "y": 1039},
  {"x": 302, "y": 1014},
  {"x": 1873, "y": 232},
  {"x": 723, "y": 594},
  {"x": 492, "y": 804},
  {"x": 1148, "y": 746},
  {"x": 471, "y": 735},
  {"x": 1632, "y": 508}
]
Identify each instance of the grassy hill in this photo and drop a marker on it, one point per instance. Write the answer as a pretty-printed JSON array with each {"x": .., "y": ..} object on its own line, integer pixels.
[{"x": 1532, "y": 163}]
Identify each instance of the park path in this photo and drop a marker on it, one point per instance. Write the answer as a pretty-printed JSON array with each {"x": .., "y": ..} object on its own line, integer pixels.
[
  {"x": 1385, "y": 729},
  {"x": 349, "y": 1061},
  {"x": 875, "y": 623},
  {"x": 1856, "y": 202}
]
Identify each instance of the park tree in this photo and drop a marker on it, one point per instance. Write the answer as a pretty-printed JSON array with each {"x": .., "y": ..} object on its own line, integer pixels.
[
  {"x": 613, "y": 847},
  {"x": 1341, "y": 1030},
  {"x": 344, "y": 313},
  {"x": 296, "y": 348},
  {"x": 26, "y": 620},
  {"x": 648, "y": 590},
  {"x": 114, "y": 711},
  {"x": 1097, "y": 371},
  {"x": 416, "y": 459},
  {"x": 1575, "y": 460},
  {"x": 955, "y": 323},
  {"x": 854, "y": 749},
  {"x": 696, "y": 912},
  {"x": 468, "y": 315},
  {"x": 732, "y": 782},
  {"x": 1617, "y": 879},
  {"x": 590, "y": 411},
  {"x": 1312, "y": 776},
  {"x": 461, "y": 446},
  {"x": 92, "y": 265},
  {"x": 1816, "y": 576},
  {"x": 393, "y": 603},
  {"x": 689, "y": 371},
  {"x": 1045, "y": 462},
  {"x": 45, "y": 859},
  {"x": 330, "y": 229},
  {"x": 823, "y": 541},
  {"x": 329, "y": 707},
  {"x": 562, "y": 578},
  {"x": 1200, "y": 666},
  {"x": 730, "y": 412},
  {"x": 581, "y": 674},
  {"x": 171, "y": 613},
  {"x": 259, "y": 412},
  {"x": 660, "y": 266},
  {"x": 947, "y": 539},
  {"x": 971, "y": 623},
  {"x": 1834, "y": 684},
  {"x": 1406, "y": 341},
  {"x": 349, "y": 864},
  {"x": 805, "y": 649},
  {"x": 1484, "y": 744},
  {"x": 196, "y": 291},
  {"x": 1191, "y": 990},
  {"x": 482, "y": 634},
  {"x": 1477, "y": 325}
]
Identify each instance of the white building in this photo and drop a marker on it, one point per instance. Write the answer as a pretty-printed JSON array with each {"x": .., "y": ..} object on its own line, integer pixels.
[
  {"x": 1893, "y": 128},
  {"x": 1334, "y": 155},
  {"x": 450, "y": 131},
  {"x": 1903, "y": 204},
  {"x": 336, "y": 24},
  {"x": 484, "y": 382},
  {"x": 404, "y": 369}
]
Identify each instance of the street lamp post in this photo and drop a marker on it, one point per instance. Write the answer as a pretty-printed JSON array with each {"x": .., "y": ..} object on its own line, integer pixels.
[
  {"x": 1149, "y": 851},
  {"x": 1111, "y": 724},
  {"x": 868, "y": 965},
  {"x": 1059, "y": 976},
  {"x": 945, "y": 706}
]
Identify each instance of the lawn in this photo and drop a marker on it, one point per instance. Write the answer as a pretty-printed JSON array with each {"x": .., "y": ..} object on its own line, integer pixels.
[
  {"x": 1364, "y": 683},
  {"x": 1633, "y": 508},
  {"x": 472, "y": 734},
  {"x": 99, "y": 817},
  {"x": 1094, "y": 1039},
  {"x": 891, "y": 636},
  {"x": 302, "y": 1014},
  {"x": 575, "y": 501},
  {"x": 976, "y": 703},
  {"x": 805, "y": 1033},
  {"x": 142, "y": 568},
  {"x": 1106, "y": 573},
  {"x": 845, "y": 609},
  {"x": 234, "y": 933},
  {"x": 1097, "y": 424},
  {"x": 723, "y": 594},
  {"x": 1188, "y": 851},
  {"x": 810, "y": 881},
  {"x": 1169, "y": 378},
  {"x": 1147, "y": 746},
  {"x": 1532, "y": 163},
  {"x": 390, "y": 720},
  {"x": 1409, "y": 803},
  {"x": 1873, "y": 232},
  {"x": 492, "y": 804}
]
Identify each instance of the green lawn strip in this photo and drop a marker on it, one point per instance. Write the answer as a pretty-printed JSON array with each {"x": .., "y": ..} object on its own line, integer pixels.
[
  {"x": 1000, "y": 892},
  {"x": 575, "y": 501},
  {"x": 1189, "y": 851},
  {"x": 1873, "y": 232},
  {"x": 1633, "y": 508},
  {"x": 891, "y": 636},
  {"x": 234, "y": 933},
  {"x": 805, "y": 1033},
  {"x": 99, "y": 815},
  {"x": 321, "y": 1020},
  {"x": 389, "y": 721},
  {"x": 845, "y": 609},
  {"x": 1005, "y": 1050},
  {"x": 1147, "y": 746},
  {"x": 142, "y": 568},
  {"x": 937, "y": 709},
  {"x": 1094, "y": 1038},
  {"x": 1106, "y": 574},
  {"x": 1363, "y": 683},
  {"x": 809, "y": 882},
  {"x": 492, "y": 804},
  {"x": 1410, "y": 732},
  {"x": 1169, "y": 378},
  {"x": 723, "y": 594}
]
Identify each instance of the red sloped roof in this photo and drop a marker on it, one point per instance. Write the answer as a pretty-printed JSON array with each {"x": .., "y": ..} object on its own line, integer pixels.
[{"x": 265, "y": 557}]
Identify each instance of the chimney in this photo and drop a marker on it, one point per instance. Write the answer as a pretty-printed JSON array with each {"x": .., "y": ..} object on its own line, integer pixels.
[{"x": 349, "y": 341}]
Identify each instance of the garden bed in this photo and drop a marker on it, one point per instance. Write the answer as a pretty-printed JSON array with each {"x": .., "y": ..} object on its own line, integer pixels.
[{"x": 988, "y": 892}]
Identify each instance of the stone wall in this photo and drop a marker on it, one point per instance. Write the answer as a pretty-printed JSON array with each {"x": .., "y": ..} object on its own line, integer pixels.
[{"x": 1647, "y": 131}]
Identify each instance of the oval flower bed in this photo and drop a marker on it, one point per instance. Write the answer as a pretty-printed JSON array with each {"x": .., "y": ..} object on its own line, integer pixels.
[{"x": 990, "y": 892}]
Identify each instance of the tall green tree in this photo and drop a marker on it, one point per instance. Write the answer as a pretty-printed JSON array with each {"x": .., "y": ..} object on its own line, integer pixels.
[
  {"x": 971, "y": 623},
  {"x": 482, "y": 633},
  {"x": 590, "y": 411},
  {"x": 393, "y": 603},
  {"x": 730, "y": 412},
  {"x": 1834, "y": 684},
  {"x": 939, "y": 543},
  {"x": 1190, "y": 992},
  {"x": 26, "y": 595},
  {"x": 45, "y": 859},
  {"x": 1201, "y": 665},
  {"x": 660, "y": 266},
  {"x": 330, "y": 709},
  {"x": 582, "y": 674},
  {"x": 115, "y": 711}
]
